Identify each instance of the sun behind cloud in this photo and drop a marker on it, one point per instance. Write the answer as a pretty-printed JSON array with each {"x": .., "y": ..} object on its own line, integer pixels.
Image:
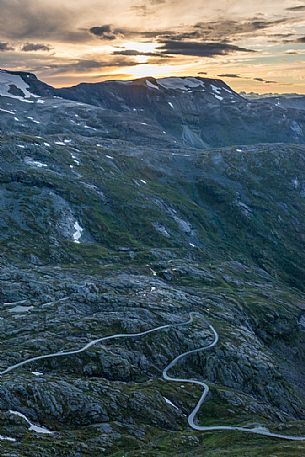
[{"x": 69, "y": 43}]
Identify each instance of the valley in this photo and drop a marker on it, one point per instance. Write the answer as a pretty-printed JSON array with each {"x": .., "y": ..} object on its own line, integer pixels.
[{"x": 135, "y": 234}]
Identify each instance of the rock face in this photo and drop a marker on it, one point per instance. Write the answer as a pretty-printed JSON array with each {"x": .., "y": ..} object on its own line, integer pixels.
[{"x": 110, "y": 226}]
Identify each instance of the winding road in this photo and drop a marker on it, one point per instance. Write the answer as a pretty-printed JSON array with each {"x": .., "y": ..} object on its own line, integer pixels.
[
  {"x": 191, "y": 418},
  {"x": 93, "y": 343}
]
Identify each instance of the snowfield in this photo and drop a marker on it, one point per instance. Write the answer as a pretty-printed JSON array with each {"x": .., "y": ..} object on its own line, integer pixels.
[
  {"x": 8, "y": 80},
  {"x": 180, "y": 83}
]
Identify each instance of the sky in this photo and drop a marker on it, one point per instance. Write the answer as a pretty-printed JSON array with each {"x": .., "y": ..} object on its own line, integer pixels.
[{"x": 254, "y": 45}]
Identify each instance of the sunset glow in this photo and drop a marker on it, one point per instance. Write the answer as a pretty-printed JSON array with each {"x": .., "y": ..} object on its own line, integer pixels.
[{"x": 251, "y": 45}]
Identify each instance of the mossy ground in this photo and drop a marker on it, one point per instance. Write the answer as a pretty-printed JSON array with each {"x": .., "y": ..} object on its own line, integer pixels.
[{"x": 234, "y": 267}]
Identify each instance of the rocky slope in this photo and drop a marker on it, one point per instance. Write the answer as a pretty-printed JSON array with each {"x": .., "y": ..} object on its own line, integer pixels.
[{"x": 105, "y": 233}]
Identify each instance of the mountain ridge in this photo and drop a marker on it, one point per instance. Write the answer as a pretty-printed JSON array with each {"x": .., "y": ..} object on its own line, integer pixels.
[
  {"x": 28, "y": 74},
  {"x": 179, "y": 111}
]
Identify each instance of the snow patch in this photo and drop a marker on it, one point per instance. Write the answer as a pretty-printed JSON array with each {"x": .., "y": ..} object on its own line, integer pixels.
[
  {"x": 215, "y": 89},
  {"x": 33, "y": 120},
  {"x": 180, "y": 83},
  {"x": 75, "y": 160},
  {"x": 32, "y": 427},
  {"x": 6, "y": 111},
  {"x": 78, "y": 233},
  {"x": 37, "y": 373},
  {"x": 170, "y": 403},
  {"x": 151, "y": 85},
  {"x": 34, "y": 163},
  {"x": 154, "y": 273},
  {"x": 7, "y": 80},
  {"x": 7, "y": 438}
]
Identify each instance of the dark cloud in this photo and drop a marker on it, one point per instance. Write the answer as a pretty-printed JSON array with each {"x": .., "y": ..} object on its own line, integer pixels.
[
  {"x": 38, "y": 19},
  {"x": 133, "y": 52},
  {"x": 223, "y": 30},
  {"x": 265, "y": 81},
  {"x": 296, "y": 40},
  {"x": 127, "y": 52},
  {"x": 82, "y": 66},
  {"x": 191, "y": 48},
  {"x": 229, "y": 75},
  {"x": 106, "y": 32},
  {"x": 147, "y": 8},
  {"x": 226, "y": 32},
  {"x": 151, "y": 34},
  {"x": 300, "y": 40},
  {"x": 33, "y": 47},
  {"x": 140, "y": 10},
  {"x": 5, "y": 47},
  {"x": 296, "y": 8},
  {"x": 279, "y": 37},
  {"x": 292, "y": 52},
  {"x": 234, "y": 75},
  {"x": 109, "y": 32}
]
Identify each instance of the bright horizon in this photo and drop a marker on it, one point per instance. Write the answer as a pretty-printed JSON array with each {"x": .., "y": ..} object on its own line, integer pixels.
[{"x": 253, "y": 46}]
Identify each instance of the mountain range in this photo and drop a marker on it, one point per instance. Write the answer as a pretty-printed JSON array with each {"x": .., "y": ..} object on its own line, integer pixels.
[
  {"x": 163, "y": 214},
  {"x": 189, "y": 111}
]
